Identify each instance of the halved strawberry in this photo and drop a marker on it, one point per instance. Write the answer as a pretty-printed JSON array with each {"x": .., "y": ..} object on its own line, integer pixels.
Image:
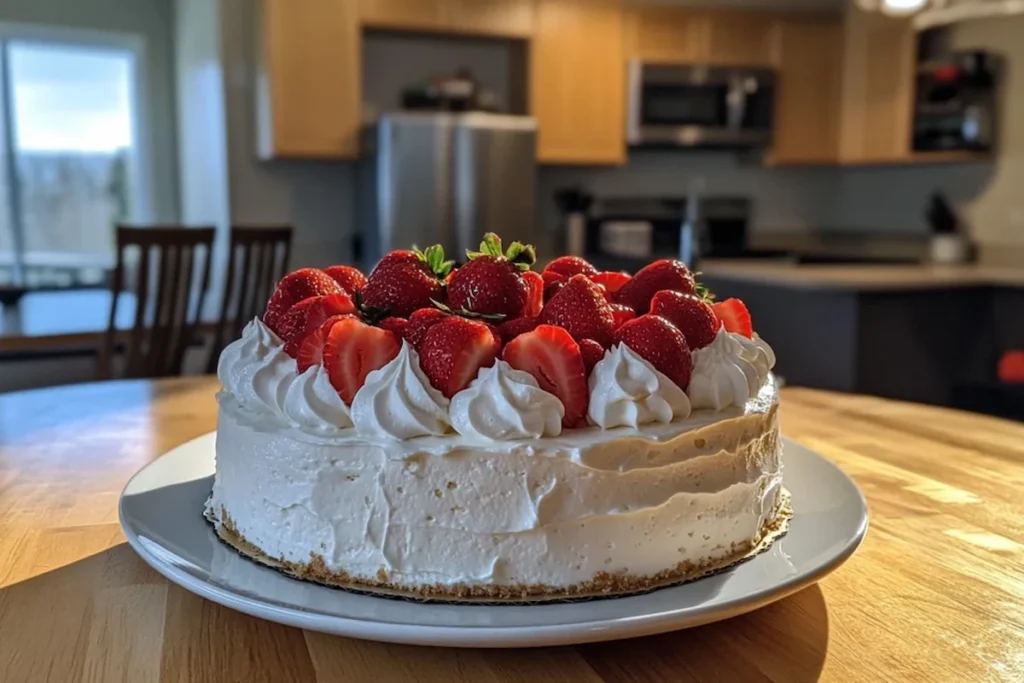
[
  {"x": 293, "y": 288},
  {"x": 309, "y": 314},
  {"x": 553, "y": 357},
  {"x": 611, "y": 281},
  {"x": 454, "y": 350},
  {"x": 511, "y": 329},
  {"x": 734, "y": 315},
  {"x": 622, "y": 314},
  {"x": 592, "y": 352},
  {"x": 535, "y": 299},
  {"x": 349, "y": 278},
  {"x": 310, "y": 350},
  {"x": 420, "y": 321},
  {"x": 353, "y": 350}
]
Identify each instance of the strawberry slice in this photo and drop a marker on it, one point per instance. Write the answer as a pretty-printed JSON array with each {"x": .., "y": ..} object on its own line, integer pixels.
[
  {"x": 310, "y": 350},
  {"x": 611, "y": 281},
  {"x": 308, "y": 315},
  {"x": 454, "y": 350},
  {"x": 535, "y": 299},
  {"x": 553, "y": 357},
  {"x": 734, "y": 315},
  {"x": 353, "y": 350}
]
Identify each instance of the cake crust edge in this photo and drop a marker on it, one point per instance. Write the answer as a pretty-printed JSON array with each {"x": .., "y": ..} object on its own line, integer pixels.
[{"x": 603, "y": 585}]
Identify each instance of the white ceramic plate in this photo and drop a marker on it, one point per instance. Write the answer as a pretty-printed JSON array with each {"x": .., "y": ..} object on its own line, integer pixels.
[{"x": 161, "y": 514}]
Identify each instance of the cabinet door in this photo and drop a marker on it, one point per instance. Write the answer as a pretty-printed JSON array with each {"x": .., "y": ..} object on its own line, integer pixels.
[
  {"x": 505, "y": 18},
  {"x": 740, "y": 38},
  {"x": 667, "y": 34},
  {"x": 807, "y": 91},
  {"x": 577, "y": 82},
  {"x": 309, "y": 85},
  {"x": 431, "y": 15},
  {"x": 877, "y": 89}
]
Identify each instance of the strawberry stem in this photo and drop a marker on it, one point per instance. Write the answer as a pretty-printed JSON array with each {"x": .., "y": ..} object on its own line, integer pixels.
[
  {"x": 466, "y": 313},
  {"x": 522, "y": 255}
]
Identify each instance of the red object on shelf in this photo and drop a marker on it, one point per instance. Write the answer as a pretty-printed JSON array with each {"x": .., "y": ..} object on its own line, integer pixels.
[
  {"x": 946, "y": 73},
  {"x": 1011, "y": 367}
]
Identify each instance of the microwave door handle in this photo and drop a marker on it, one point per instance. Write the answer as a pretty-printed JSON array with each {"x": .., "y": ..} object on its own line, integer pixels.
[{"x": 736, "y": 104}]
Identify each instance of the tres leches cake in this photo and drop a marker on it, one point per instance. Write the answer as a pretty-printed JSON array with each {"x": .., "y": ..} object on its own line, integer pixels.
[{"x": 490, "y": 432}]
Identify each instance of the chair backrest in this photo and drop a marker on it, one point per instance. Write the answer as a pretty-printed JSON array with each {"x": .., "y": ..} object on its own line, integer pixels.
[
  {"x": 257, "y": 260},
  {"x": 169, "y": 269}
]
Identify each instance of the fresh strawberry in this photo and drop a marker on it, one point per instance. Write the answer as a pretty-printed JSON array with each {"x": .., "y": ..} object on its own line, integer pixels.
[
  {"x": 403, "y": 282},
  {"x": 553, "y": 283},
  {"x": 592, "y": 352},
  {"x": 348, "y": 278},
  {"x": 691, "y": 314},
  {"x": 651, "y": 279},
  {"x": 453, "y": 352},
  {"x": 622, "y": 314},
  {"x": 535, "y": 299},
  {"x": 396, "y": 325},
  {"x": 571, "y": 265},
  {"x": 293, "y": 288},
  {"x": 311, "y": 349},
  {"x": 661, "y": 344},
  {"x": 1011, "y": 367},
  {"x": 309, "y": 314},
  {"x": 611, "y": 281},
  {"x": 553, "y": 357},
  {"x": 510, "y": 329},
  {"x": 734, "y": 315},
  {"x": 580, "y": 308},
  {"x": 354, "y": 349},
  {"x": 419, "y": 322},
  {"x": 492, "y": 283}
]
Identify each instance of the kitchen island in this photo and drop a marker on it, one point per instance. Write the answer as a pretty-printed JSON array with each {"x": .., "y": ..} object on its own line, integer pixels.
[{"x": 925, "y": 333}]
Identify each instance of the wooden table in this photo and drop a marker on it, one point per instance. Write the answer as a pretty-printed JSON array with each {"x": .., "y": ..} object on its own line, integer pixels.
[{"x": 936, "y": 593}]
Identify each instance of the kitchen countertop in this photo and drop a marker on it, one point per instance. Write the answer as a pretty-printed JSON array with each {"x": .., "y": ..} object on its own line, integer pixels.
[
  {"x": 934, "y": 594},
  {"x": 867, "y": 277}
]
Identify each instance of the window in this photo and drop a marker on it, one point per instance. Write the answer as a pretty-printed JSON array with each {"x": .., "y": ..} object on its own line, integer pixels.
[{"x": 69, "y": 153}]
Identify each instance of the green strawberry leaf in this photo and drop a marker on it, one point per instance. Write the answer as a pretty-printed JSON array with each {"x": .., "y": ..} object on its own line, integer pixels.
[
  {"x": 523, "y": 255},
  {"x": 702, "y": 291},
  {"x": 466, "y": 313}
]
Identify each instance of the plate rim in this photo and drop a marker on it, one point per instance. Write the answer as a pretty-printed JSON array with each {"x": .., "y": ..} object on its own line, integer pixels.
[{"x": 492, "y": 635}]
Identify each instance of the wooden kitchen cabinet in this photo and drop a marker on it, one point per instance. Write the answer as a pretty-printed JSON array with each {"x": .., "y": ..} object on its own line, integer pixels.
[
  {"x": 577, "y": 82},
  {"x": 502, "y": 18},
  {"x": 667, "y": 34},
  {"x": 808, "y": 52},
  {"x": 741, "y": 38},
  {"x": 308, "y": 89},
  {"x": 876, "y": 102}
]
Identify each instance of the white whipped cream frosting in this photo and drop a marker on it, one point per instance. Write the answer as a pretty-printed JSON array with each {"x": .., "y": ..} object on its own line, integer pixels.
[
  {"x": 398, "y": 402},
  {"x": 729, "y": 371},
  {"x": 627, "y": 391},
  {"x": 503, "y": 403},
  {"x": 263, "y": 378}
]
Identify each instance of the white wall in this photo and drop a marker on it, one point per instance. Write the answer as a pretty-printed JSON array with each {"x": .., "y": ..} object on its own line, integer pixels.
[{"x": 151, "y": 20}]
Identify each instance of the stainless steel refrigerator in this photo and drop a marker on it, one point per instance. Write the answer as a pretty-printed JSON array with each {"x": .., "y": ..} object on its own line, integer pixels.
[{"x": 443, "y": 178}]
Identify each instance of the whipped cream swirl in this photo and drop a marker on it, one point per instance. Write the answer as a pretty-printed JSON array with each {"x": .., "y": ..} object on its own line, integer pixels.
[
  {"x": 627, "y": 391},
  {"x": 398, "y": 402},
  {"x": 729, "y": 371},
  {"x": 262, "y": 377},
  {"x": 503, "y": 403}
]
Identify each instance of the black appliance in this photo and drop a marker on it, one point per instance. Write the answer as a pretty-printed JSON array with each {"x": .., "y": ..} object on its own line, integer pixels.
[
  {"x": 679, "y": 105},
  {"x": 628, "y": 232},
  {"x": 955, "y": 103}
]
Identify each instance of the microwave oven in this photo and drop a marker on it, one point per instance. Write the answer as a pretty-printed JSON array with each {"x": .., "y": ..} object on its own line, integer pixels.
[{"x": 680, "y": 105}]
